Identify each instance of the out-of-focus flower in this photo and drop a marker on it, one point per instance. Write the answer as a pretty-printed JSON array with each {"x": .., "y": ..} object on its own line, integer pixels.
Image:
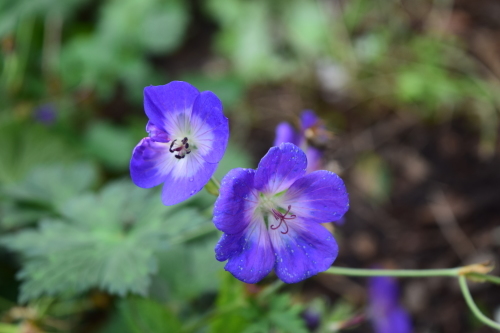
[
  {"x": 312, "y": 318},
  {"x": 45, "y": 114},
  {"x": 311, "y": 130},
  {"x": 386, "y": 314},
  {"x": 188, "y": 136},
  {"x": 271, "y": 217}
]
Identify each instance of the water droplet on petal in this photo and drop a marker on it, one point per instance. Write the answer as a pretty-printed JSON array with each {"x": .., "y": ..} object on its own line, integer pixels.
[{"x": 191, "y": 179}]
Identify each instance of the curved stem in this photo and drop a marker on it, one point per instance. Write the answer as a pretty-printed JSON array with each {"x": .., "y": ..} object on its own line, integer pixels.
[
  {"x": 215, "y": 181},
  {"x": 470, "y": 302},
  {"x": 394, "y": 272},
  {"x": 213, "y": 186}
]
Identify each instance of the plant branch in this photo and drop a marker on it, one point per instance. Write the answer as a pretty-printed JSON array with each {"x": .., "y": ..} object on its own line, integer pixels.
[{"x": 470, "y": 302}]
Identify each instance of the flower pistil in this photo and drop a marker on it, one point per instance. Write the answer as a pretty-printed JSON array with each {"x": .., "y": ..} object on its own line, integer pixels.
[{"x": 282, "y": 218}]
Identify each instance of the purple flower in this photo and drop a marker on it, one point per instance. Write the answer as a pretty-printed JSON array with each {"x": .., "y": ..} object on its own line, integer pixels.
[
  {"x": 271, "y": 217},
  {"x": 45, "y": 114},
  {"x": 188, "y": 136},
  {"x": 385, "y": 311},
  {"x": 310, "y": 126}
]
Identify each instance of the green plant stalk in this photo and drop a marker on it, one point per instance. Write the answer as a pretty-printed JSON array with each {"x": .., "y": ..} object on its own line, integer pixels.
[
  {"x": 483, "y": 277},
  {"x": 473, "y": 307},
  {"x": 394, "y": 272},
  {"x": 462, "y": 273},
  {"x": 213, "y": 186}
]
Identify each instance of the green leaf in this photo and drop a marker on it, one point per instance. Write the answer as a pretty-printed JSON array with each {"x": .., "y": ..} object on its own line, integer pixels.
[
  {"x": 24, "y": 145},
  {"x": 54, "y": 184},
  {"x": 14, "y": 215},
  {"x": 190, "y": 269},
  {"x": 307, "y": 27},
  {"x": 147, "y": 316},
  {"x": 171, "y": 16},
  {"x": 239, "y": 36},
  {"x": 112, "y": 145},
  {"x": 229, "y": 88},
  {"x": 109, "y": 241},
  {"x": 285, "y": 315},
  {"x": 43, "y": 192},
  {"x": 126, "y": 31},
  {"x": 231, "y": 305}
]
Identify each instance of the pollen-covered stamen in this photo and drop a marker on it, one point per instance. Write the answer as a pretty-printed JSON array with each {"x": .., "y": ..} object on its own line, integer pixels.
[
  {"x": 282, "y": 218},
  {"x": 180, "y": 148}
]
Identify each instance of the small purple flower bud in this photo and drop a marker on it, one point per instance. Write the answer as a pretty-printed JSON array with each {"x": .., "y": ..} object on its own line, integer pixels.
[
  {"x": 311, "y": 129},
  {"x": 45, "y": 114},
  {"x": 311, "y": 318},
  {"x": 386, "y": 314}
]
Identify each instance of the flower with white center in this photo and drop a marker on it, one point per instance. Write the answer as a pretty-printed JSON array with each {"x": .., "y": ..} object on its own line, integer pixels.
[{"x": 188, "y": 135}]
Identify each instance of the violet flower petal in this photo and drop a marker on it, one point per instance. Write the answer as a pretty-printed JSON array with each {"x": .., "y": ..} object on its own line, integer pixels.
[
  {"x": 209, "y": 126},
  {"x": 386, "y": 314},
  {"x": 249, "y": 254},
  {"x": 320, "y": 197},
  {"x": 237, "y": 201},
  {"x": 286, "y": 133},
  {"x": 306, "y": 250},
  {"x": 308, "y": 119},
  {"x": 156, "y": 133},
  {"x": 145, "y": 165},
  {"x": 169, "y": 105},
  {"x": 152, "y": 164},
  {"x": 314, "y": 159},
  {"x": 185, "y": 178},
  {"x": 279, "y": 168}
]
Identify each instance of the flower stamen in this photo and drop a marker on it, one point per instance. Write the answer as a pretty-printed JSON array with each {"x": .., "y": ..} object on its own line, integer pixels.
[
  {"x": 282, "y": 218},
  {"x": 182, "y": 149}
]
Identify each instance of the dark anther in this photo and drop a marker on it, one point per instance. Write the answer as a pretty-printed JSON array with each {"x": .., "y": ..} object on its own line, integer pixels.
[
  {"x": 171, "y": 145},
  {"x": 282, "y": 218},
  {"x": 182, "y": 150}
]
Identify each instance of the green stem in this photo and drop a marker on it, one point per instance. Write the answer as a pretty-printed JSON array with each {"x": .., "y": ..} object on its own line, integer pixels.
[
  {"x": 483, "y": 277},
  {"x": 215, "y": 181},
  {"x": 470, "y": 302},
  {"x": 394, "y": 272},
  {"x": 472, "y": 271},
  {"x": 269, "y": 290},
  {"x": 213, "y": 186}
]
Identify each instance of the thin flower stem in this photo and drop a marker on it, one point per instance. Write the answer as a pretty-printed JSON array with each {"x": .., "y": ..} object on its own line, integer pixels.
[
  {"x": 483, "y": 277},
  {"x": 213, "y": 186},
  {"x": 215, "y": 181},
  {"x": 470, "y": 302},
  {"x": 475, "y": 272},
  {"x": 394, "y": 272},
  {"x": 269, "y": 290}
]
